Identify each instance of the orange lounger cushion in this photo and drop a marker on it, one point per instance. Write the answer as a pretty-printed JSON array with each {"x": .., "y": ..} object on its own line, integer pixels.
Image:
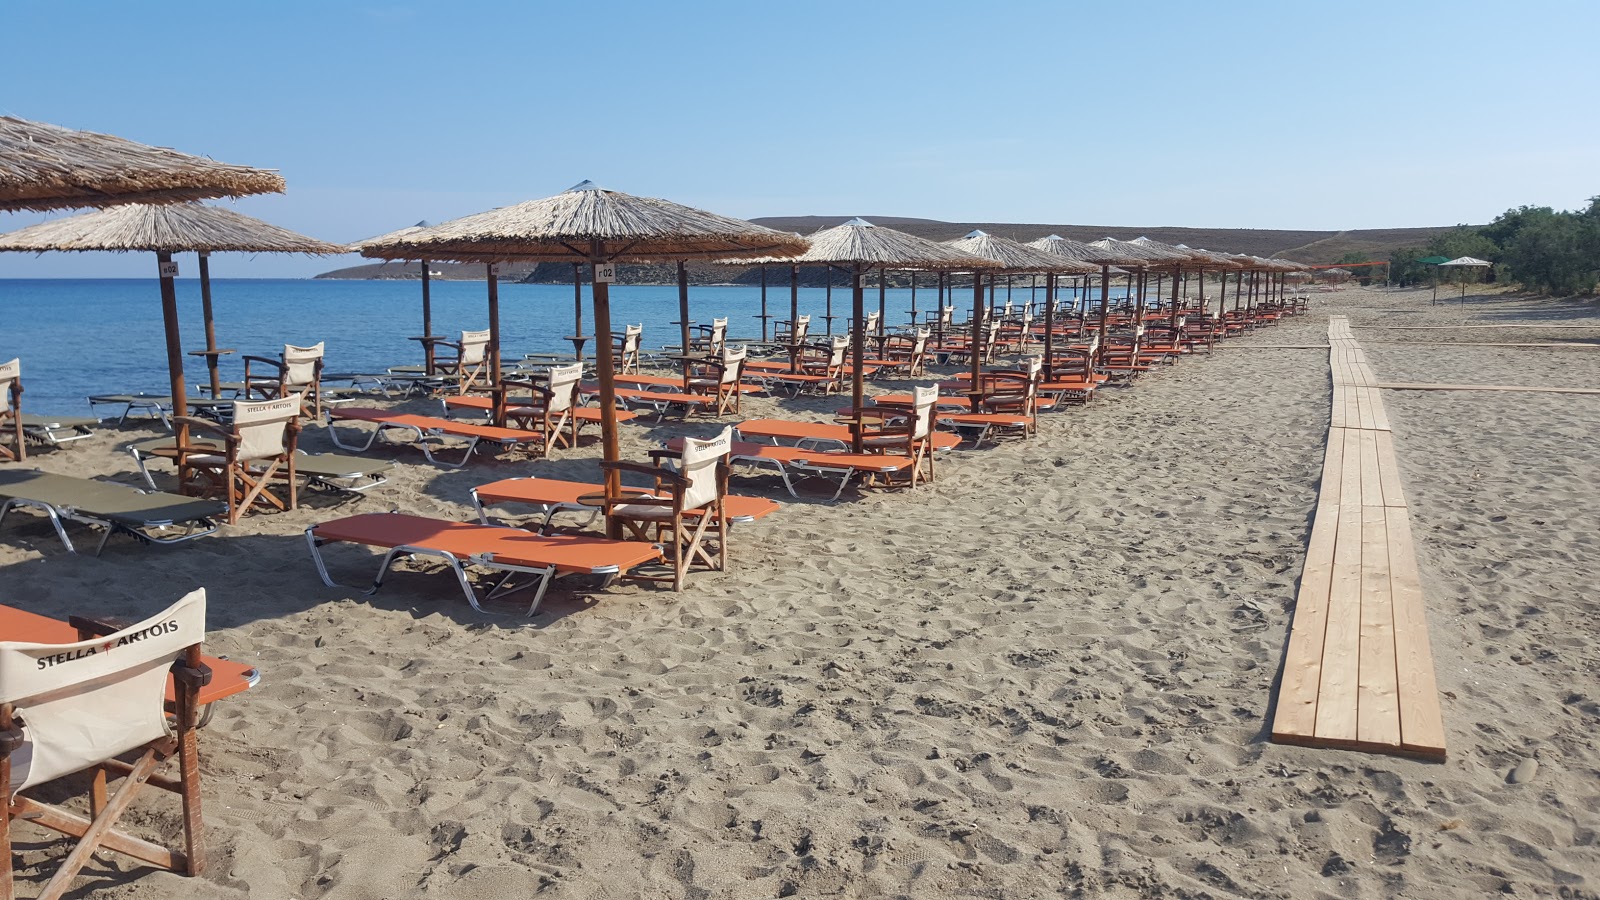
[
  {"x": 485, "y": 404},
  {"x": 785, "y": 429},
  {"x": 565, "y": 494},
  {"x": 435, "y": 424},
  {"x": 489, "y": 543}
]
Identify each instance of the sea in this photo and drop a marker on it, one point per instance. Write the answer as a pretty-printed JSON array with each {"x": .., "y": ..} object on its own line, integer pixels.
[{"x": 79, "y": 337}]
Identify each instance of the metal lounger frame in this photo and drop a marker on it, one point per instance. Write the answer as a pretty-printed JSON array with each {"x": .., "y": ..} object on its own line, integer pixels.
[{"x": 57, "y": 514}]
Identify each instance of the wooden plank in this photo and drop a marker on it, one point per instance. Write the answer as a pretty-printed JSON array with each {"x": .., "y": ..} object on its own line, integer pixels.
[
  {"x": 1410, "y": 386},
  {"x": 1341, "y": 646},
  {"x": 1442, "y": 327},
  {"x": 1377, "y": 703},
  {"x": 1371, "y": 485},
  {"x": 1530, "y": 345},
  {"x": 1364, "y": 405},
  {"x": 1295, "y": 719},
  {"x": 1380, "y": 413},
  {"x": 1389, "y": 471},
  {"x": 1421, "y": 719},
  {"x": 1332, "y": 472}
]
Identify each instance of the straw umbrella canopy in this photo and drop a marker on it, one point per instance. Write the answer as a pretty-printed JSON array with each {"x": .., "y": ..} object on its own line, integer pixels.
[
  {"x": 587, "y": 224},
  {"x": 166, "y": 229},
  {"x": 45, "y": 167},
  {"x": 859, "y": 246},
  {"x": 1107, "y": 261},
  {"x": 1015, "y": 257}
]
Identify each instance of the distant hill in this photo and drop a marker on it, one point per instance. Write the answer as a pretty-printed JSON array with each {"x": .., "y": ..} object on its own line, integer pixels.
[{"x": 1300, "y": 246}]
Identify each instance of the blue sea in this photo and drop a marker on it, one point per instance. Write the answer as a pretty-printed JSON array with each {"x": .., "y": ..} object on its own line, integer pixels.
[{"x": 93, "y": 336}]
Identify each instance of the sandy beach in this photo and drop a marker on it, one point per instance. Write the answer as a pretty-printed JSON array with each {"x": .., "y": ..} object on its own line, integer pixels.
[{"x": 1048, "y": 674}]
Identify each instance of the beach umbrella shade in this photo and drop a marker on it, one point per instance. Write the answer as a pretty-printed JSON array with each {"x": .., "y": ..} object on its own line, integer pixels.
[
  {"x": 588, "y": 224},
  {"x": 167, "y": 229},
  {"x": 45, "y": 167},
  {"x": 1015, "y": 258},
  {"x": 1465, "y": 262},
  {"x": 858, "y": 247}
]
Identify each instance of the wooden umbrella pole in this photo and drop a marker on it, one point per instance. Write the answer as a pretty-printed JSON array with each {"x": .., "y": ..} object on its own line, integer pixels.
[
  {"x": 577, "y": 310},
  {"x": 938, "y": 312},
  {"x": 683, "y": 309},
  {"x": 1049, "y": 323},
  {"x": 427, "y": 304},
  {"x": 794, "y": 315},
  {"x": 494, "y": 326},
  {"x": 827, "y": 310},
  {"x": 858, "y": 344},
  {"x": 609, "y": 445},
  {"x": 211, "y": 324},
  {"x": 1105, "y": 306},
  {"x": 763, "y": 317},
  {"x": 1175, "y": 274},
  {"x": 883, "y": 307},
  {"x": 180, "y": 398},
  {"x": 975, "y": 351},
  {"x": 913, "y": 299}
]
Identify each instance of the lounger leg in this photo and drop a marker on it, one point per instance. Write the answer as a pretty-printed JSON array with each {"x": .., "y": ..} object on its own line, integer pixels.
[
  {"x": 333, "y": 435},
  {"x": 55, "y": 520},
  {"x": 842, "y": 482}
]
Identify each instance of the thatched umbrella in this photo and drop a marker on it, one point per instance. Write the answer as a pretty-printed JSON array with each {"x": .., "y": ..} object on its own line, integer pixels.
[
  {"x": 587, "y": 223},
  {"x": 859, "y": 246},
  {"x": 1013, "y": 257},
  {"x": 45, "y": 167},
  {"x": 168, "y": 229}
]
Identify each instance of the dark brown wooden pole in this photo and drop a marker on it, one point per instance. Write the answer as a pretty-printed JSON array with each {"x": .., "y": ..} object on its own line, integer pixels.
[
  {"x": 494, "y": 325},
  {"x": 883, "y": 276},
  {"x": 683, "y": 307},
  {"x": 168, "y": 270},
  {"x": 211, "y": 324},
  {"x": 1175, "y": 275},
  {"x": 913, "y": 299},
  {"x": 794, "y": 316},
  {"x": 1049, "y": 324},
  {"x": 976, "y": 349},
  {"x": 1105, "y": 307},
  {"x": 858, "y": 345},
  {"x": 427, "y": 304},
  {"x": 763, "y": 317},
  {"x": 610, "y": 449},
  {"x": 938, "y": 315},
  {"x": 577, "y": 310},
  {"x": 827, "y": 310}
]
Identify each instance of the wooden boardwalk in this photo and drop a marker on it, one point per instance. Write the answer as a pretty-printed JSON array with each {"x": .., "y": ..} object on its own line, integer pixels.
[{"x": 1358, "y": 672}]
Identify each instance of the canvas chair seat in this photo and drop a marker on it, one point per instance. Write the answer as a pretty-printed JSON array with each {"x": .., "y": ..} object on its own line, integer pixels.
[{"x": 67, "y": 708}]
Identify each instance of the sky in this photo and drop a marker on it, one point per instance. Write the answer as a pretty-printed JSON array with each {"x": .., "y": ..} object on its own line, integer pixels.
[{"x": 1313, "y": 115}]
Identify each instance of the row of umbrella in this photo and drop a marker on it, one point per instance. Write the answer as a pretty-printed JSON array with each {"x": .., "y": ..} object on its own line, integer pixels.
[{"x": 585, "y": 225}]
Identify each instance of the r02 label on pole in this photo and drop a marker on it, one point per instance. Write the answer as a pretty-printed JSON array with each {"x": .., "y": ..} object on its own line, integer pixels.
[
  {"x": 169, "y": 269},
  {"x": 605, "y": 273}
]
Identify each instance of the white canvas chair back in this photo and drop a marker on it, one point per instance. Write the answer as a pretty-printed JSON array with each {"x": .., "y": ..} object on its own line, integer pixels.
[
  {"x": 562, "y": 380},
  {"x": 698, "y": 464},
  {"x": 732, "y": 363},
  {"x": 919, "y": 345},
  {"x": 801, "y": 326},
  {"x": 263, "y": 426},
  {"x": 300, "y": 363},
  {"x": 631, "y": 336},
  {"x": 719, "y": 332},
  {"x": 1033, "y": 365},
  {"x": 946, "y": 315},
  {"x": 923, "y": 401},
  {"x": 1007, "y": 311},
  {"x": 9, "y": 373},
  {"x": 872, "y": 322},
  {"x": 841, "y": 344},
  {"x": 474, "y": 346},
  {"x": 87, "y": 702}
]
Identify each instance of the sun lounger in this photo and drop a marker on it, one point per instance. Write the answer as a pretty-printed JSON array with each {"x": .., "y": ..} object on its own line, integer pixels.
[
  {"x": 427, "y": 432},
  {"x": 660, "y": 400},
  {"x": 57, "y": 431},
  {"x": 815, "y": 435},
  {"x": 552, "y": 496},
  {"x": 506, "y": 551},
  {"x": 153, "y": 406},
  {"x": 477, "y": 403},
  {"x": 334, "y": 472},
  {"x": 149, "y": 516}
]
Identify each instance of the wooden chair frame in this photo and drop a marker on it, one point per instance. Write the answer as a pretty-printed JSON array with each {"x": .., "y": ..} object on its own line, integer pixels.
[
  {"x": 720, "y": 377},
  {"x": 279, "y": 384},
  {"x": 11, "y": 411},
  {"x": 98, "y": 831},
  {"x": 682, "y": 534},
  {"x": 535, "y": 413},
  {"x": 234, "y": 478},
  {"x": 625, "y": 348},
  {"x": 471, "y": 368}
]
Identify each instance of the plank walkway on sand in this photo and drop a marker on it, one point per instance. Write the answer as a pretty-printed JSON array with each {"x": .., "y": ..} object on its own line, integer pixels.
[
  {"x": 1426, "y": 386},
  {"x": 1358, "y": 672}
]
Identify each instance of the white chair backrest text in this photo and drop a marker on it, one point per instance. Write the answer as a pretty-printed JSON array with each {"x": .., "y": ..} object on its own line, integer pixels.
[
  {"x": 474, "y": 346},
  {"x": 263, "y": 426},
  {"x": 562, "y": 381},
  {"x": 87, "y": 702},
  {"x": 300, "y": 363},
  {"x": 698, "y": 464},
  {"x": 923, "y": 400}
]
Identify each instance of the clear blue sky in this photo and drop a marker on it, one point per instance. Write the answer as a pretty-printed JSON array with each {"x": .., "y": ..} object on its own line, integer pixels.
[{"x": 1271, "y": 115}]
